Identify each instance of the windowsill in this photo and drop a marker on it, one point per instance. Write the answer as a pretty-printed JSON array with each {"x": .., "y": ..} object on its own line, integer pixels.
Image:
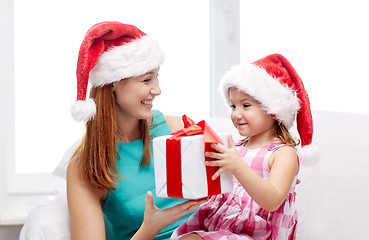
[{"x": 15, "y": 209}]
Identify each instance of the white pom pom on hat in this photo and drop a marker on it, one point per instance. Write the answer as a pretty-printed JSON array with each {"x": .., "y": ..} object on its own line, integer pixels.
[
  {"x": 83, "y": 110},
  {"x": 274, "y": 82},
  {"x": 110, "y": 52}
]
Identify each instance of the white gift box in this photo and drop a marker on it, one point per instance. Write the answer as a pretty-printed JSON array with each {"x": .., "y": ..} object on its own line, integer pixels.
[{"x": 193, "y": 169}]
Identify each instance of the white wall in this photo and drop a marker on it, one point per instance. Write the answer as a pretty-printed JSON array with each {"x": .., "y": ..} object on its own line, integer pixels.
[
  {"x": 6, "y": 125},
  {"x": 6, "y": 82}
]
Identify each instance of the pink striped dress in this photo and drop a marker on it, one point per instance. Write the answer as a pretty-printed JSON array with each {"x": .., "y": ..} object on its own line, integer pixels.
[{"x": 236, "y": 216}]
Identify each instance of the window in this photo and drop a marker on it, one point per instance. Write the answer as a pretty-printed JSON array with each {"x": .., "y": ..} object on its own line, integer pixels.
[
  {"x": 326, "y": 41},
  {"x": 46, "y": 46}
]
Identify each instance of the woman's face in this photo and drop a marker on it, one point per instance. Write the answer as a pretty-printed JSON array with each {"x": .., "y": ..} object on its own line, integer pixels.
[{"x": 134, "y": 96}]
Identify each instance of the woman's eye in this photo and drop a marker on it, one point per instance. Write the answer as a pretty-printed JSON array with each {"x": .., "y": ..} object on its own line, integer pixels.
[{"x": 147, "y": 80}]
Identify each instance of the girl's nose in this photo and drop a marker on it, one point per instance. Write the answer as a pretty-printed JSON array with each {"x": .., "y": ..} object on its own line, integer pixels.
[{"x": 236, "y": 114}]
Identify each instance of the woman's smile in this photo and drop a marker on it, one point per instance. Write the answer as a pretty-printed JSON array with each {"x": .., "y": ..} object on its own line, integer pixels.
[{"x": 147, "y": 103}]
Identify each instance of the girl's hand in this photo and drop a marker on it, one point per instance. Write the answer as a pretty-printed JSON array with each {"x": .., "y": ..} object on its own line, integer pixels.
[
  {"x": 156, "y": 219},
  {"x": 227, "y": 160}
]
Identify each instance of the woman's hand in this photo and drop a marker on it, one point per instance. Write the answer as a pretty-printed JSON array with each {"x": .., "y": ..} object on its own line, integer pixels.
[
  {"x": 227, "y": 160},
  {"x": 156, "y": 219}
]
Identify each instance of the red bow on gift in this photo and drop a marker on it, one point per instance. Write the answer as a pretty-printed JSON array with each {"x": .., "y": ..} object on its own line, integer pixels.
[{"x": 173, "y": 156}]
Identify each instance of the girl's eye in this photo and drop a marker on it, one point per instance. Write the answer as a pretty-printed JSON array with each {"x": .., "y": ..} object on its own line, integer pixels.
[
  {"x": 147, "y": 80},
  {"x": 233, "y": 106},
  {"x": 246, "y": 105}
]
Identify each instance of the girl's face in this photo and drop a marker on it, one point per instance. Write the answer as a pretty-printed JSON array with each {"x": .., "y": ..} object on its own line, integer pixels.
[
  {"x": 248, "y": 116},
  {"x": 134, "y": 96}
]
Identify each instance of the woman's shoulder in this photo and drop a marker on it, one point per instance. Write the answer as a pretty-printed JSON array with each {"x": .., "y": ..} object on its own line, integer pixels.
[
  {"x": 72, "y": 171},
  {"x": 75, "y": 183},
  {"x": 174, "y": 122}
]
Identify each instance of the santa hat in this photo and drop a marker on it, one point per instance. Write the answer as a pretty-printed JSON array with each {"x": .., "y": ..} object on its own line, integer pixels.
[
  {"x": 274, "y": 82},
  {"x": 110, "y": 52}
]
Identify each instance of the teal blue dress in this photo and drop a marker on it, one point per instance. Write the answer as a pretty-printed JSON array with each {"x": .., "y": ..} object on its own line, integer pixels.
[{"x": 124, "y": 208}]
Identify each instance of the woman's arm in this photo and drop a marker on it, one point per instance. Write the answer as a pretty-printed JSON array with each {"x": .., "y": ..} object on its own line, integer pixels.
[
  {"x": 156, "y": 219},
  {"x": 85, "y": 209}
]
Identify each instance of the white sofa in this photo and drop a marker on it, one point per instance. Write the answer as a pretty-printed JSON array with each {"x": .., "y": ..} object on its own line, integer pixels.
[{"x": 332, "y": 196}]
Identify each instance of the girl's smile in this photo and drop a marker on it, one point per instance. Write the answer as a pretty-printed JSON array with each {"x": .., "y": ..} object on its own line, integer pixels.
[{"x": 240, "y": 125}]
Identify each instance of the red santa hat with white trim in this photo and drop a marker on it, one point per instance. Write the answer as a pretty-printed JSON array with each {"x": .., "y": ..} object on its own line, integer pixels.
[
  {"x": 274, "y": 82},
  {"x": 110, "y": 52}
]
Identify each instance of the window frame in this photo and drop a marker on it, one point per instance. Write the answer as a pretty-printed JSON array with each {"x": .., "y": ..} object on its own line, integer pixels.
[{"x": 14, "y": 182}]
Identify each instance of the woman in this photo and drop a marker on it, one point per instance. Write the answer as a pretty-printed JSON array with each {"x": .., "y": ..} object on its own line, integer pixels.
[{"x": 110, "y": 177}]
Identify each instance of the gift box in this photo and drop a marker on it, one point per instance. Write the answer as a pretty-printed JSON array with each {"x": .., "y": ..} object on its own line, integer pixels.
[{"x": 179, "y": 162}]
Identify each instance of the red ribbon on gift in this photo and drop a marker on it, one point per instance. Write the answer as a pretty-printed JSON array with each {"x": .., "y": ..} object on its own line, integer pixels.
[{"x": 173, "y": 156}]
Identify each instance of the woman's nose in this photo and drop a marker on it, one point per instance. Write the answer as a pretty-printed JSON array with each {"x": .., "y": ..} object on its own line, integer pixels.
[{"x": 155, "y": 90}]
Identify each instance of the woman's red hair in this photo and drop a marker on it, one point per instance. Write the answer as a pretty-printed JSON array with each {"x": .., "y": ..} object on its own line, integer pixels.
[{"x": 97, "y": 155}]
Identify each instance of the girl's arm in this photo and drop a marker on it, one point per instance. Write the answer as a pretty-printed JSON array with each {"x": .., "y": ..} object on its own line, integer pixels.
[
  {"x": 85, "y": 209},
  {"x": 269, "y": 194}
]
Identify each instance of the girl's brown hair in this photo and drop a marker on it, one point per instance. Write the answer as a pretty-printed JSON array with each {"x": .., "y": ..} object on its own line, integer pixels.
[
  {"x": 96, "y": 157},
  {"x": 285, "y": 136}
]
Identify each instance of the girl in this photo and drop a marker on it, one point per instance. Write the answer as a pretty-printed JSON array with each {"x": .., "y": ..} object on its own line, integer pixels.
[
  {"x": 265, "y": 164},
  {"x": 110, "y": 176}
]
